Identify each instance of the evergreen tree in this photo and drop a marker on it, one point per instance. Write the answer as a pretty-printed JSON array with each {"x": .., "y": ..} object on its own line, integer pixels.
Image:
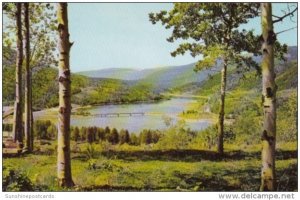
[{"x": 113, "y": 137}]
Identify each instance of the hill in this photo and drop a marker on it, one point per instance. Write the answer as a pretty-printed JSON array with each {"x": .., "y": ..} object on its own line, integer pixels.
[
  {"x": 118, "y": 73},
  {"x": 159, "y": 78}
]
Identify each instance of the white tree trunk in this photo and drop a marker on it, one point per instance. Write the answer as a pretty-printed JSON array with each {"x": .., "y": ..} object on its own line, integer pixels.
[
  {"x": 17, "y": 124},
  {"x": 63, "y": 157},
  {"x": 269, "y": 100}
]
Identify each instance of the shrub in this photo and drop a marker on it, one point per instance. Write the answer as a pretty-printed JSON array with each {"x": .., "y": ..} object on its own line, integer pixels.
[
  {"x": 134, "y": 139},
  {"x": 247, "y": 127},
  {"x": 146, "y": 137},
  {"x": 44, "y": 129},
  {"x": 15, "y": 181},
  {"x": 206, "y": 138},
  {"x": 7, "y": 127},
  {"x": 90, "y": 135},
  {"x": 101, "y": 134},
  {"x": 113, "y": 137},
  {"x": 124, "y": 136},
  {"x": 76, "y": 134},
  {"x": 83, "y": 133},
  {"x": 175, "y": 137}
]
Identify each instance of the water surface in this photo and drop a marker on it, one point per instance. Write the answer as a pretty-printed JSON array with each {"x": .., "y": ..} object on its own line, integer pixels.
[{"x": 152, "y": 118}]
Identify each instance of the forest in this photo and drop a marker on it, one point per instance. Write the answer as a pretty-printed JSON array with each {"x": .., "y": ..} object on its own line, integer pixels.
[{"x": 226, "y": 122}]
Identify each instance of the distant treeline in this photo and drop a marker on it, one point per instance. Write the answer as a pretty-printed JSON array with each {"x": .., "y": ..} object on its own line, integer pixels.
[{"x": 45, "y": 129}]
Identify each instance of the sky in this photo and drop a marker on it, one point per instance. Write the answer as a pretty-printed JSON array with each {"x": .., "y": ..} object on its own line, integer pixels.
[{"x": 120, "y": 35}]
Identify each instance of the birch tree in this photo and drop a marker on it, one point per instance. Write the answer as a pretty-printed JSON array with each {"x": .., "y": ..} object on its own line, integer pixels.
[
  {"x": 63, "y": 150},
  {"x": 18, "y": 119},
  {"x": 28, "y": 146},
  {"x": 270, "y": 48}
]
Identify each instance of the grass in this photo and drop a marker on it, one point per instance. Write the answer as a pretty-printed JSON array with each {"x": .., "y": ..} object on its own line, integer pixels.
[{"x": 138, "y": 169}]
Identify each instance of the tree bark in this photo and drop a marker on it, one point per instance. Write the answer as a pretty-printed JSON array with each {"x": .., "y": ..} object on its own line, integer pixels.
[
  {"x": 27, "y": 129},
  {"x": 17, "y": 125},
  {"x": 221, "y": 111},
  {"x": 269, "y": 100},
  {"x": 63, "y": 158}
]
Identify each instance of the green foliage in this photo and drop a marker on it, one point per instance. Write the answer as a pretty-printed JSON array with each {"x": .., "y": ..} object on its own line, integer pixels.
[
  {"x": 115, "y": 91},
  {"x": 85, "y": 91},
  {"x": 124, "y": 136},
  {"x": 206, "y": 139},
  {"x": 134, "y": 139},
  {"x": 79, "y": 82},
  {"x": 287, "y": 79},
  {"x": 8, "y": 84},
  {"x": 176, "y": 137},
  {"x": 287, "y": 118},
  {"x": 75, "y": 134},
  {"x": 195, "y": 23},
  {"x": 101, "y": 134},
  {"x": 113, "y": 137},
  {"x": 42, "y": 33},
  {"x": 146, "y": 137},
  {"x": 15, "y": 181},
  {"x": 91, "y": 134},
  {"x": 83, "y": 133},
  {"x": 247, "y": 127},
  {"x": 44, "y": 88},
  {"x": 7, "y": 127},
  {"x": 44, "y": 129},
  {"x": 90, "y": 152}
]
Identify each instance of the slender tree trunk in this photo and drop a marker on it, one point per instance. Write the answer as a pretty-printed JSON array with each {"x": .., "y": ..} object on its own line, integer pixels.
[
  {"x": 27, "y": 130},
  {"x": 17, "y": 125},
  {"x": 31, "y": 117},
  {"x": 63, "y": 158},
  {"x": 269, "y": 100},
  {"x": 221, "y": 111}
]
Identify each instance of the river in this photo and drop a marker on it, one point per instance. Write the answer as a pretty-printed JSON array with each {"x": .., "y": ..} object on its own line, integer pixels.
[{"x": 152, "y": 118}]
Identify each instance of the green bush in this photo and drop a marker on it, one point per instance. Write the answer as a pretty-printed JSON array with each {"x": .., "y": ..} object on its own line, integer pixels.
[
  {"x": 15, "y": 181},
  {"x": 247, "y": 127},
  {"x": 206, "y": 138},
  {"x": 7, "y": 127},
  {"x": 175, "y": 137},
  {"x": 124, "y": 136},
  {"x": 113, "y": 137},
  {"x": 101, "y": 134},
  {"x": 146, "y": 137},
  {"x": 134, "y": 140},
  {"x": 75, "y": 134},
  {"x": 44, "y": 129}
]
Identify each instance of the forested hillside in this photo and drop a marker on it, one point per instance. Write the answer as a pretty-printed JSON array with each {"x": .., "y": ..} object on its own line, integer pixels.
[{"x": 86, "y": 91}]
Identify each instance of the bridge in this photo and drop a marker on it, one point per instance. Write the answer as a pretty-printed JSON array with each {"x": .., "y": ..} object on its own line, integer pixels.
[{"x": 119, "y": 114}]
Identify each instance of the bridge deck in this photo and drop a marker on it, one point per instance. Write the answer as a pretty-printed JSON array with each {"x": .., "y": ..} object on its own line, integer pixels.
[{"x": 119, "y": 114}]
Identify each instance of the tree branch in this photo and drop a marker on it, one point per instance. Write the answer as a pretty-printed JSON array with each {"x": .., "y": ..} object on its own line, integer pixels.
[
  {"x": 286, "y": 30},
  {"x": 284, "y": 16}
]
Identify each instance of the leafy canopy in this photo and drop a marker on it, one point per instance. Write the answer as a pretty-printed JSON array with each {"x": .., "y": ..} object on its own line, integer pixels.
[{"x": 211, "y": 30}]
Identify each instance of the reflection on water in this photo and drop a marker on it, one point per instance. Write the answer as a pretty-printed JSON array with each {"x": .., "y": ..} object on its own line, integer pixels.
[{"x": 152, "y": 118}]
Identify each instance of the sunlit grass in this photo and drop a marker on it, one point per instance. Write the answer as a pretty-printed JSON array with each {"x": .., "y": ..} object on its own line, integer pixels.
[{"x": 155, "y": 172}]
